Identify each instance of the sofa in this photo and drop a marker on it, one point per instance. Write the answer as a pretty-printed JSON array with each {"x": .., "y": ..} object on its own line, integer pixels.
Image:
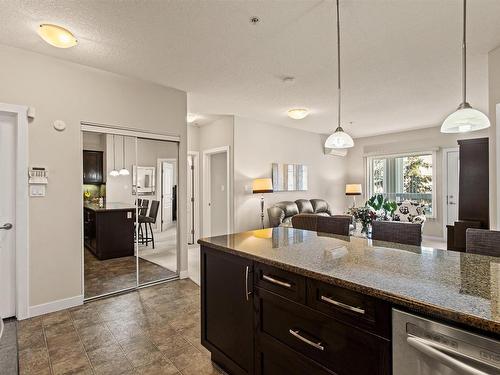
[{"x": 281, "y": 213}]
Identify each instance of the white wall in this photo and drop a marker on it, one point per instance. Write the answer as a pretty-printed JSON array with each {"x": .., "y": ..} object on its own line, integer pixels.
[
  {"x": 257, "y": 145},
  {"x": 416, "y": 140},
  {"x": 71, "y": 92}
]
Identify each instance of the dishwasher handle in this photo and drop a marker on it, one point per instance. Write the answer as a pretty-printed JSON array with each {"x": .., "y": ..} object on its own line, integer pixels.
[{"x": 430, "y": 350}]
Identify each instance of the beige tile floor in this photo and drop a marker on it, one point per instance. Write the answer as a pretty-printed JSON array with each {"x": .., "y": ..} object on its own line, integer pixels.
[{"x": 154, "y": 331}]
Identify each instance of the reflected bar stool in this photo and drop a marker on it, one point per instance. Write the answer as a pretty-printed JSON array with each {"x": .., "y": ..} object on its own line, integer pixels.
[
  {"x": 305, "y": 221},
  {"x": 396, "y": 231},
  {"x": 336, "y": 224},
  {"x": 483, "y": 242},
  {"x": 148, "y": 221},
  {"x": 142, "y": 205}
]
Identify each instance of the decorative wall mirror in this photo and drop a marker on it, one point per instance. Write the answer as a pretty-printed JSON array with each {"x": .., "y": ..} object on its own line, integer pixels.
[
  {"x": 145, "y": 177},
  {"x": 289, "y": 177}
]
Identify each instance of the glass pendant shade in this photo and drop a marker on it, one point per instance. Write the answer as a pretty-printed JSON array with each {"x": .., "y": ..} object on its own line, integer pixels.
[
  {"x": 114, "y": 173},
  {"x": 124, "y": 172},
  {"x": 339, "y": 139},
  {"x": 465, "y": 119}
]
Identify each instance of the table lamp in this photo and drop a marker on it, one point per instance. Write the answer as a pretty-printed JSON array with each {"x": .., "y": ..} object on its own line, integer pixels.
[
  {"x": 261, "y": 186},
  {"x": 353, "y": 190}
]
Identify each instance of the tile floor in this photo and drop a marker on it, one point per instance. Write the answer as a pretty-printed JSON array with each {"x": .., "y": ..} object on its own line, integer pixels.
[
  {"x": 111, "y": 275},
  {"x": 8, "y": 348},
  {"x": 154, "y": 330}
]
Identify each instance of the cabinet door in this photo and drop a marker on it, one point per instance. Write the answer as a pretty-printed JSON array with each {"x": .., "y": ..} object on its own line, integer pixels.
[
  {"x": 92, "y": 167},
  {"x": 226, "y": 310}
]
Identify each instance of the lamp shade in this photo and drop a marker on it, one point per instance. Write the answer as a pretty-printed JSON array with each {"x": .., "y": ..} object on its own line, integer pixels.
[
  {"x": 262, "y": 185},
  {"x": 465, "y": 119},
  {"x": 339, "y": 139},
  {"x": 353, "y": 189}
]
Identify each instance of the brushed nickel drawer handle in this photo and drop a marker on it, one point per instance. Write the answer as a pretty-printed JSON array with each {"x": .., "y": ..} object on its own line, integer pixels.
[
  {"x": 277, "y": 282},
  {"x": 296, "y": 333},
  {"x": 343, "y": 305}
]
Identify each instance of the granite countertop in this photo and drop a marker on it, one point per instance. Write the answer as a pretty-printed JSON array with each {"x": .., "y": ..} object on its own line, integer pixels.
[
  {"x": 111, "y": 206},
  {"x": 456, "y": 286}
]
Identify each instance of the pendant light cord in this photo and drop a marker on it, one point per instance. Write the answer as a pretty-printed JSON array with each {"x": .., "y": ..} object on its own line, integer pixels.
[
  {"x": 123, "y": 147},
  {"x": 464, "y": 53},
  {"x": 114, "y": 154},
  {"x": 338, "y": 64}
]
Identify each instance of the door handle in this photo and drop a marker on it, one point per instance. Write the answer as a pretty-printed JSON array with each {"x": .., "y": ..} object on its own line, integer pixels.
[
  {"x": 247, "y": 292},
  {"x": 432, "y": 350},
  {"x": 6, "y": 226}
]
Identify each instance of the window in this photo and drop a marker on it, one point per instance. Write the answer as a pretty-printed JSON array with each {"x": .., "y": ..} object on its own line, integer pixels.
[{"x": 403, "y": 177}]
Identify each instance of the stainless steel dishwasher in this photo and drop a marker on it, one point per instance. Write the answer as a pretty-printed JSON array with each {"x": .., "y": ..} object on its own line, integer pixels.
[{"x": 423, "y": 347}]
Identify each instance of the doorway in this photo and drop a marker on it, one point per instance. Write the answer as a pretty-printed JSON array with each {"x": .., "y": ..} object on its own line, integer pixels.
[
  {"x": 450, "y": 186},
  {"x": 216, "y": 192},
  {"x": 127, "y": 179},
  {"x": 13, "y": 212}
]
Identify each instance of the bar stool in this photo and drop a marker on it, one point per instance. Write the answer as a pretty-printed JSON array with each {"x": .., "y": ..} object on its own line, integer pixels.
[{"x": 148, "y": 221}]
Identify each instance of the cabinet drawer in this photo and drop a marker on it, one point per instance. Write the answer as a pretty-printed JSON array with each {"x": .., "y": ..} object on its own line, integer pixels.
[
  {"x": 350, "y": 307},
  {"x": 284, "y": 283},
  {"x": 339, "y": 347},
  {"x": 274, "y": 358}
]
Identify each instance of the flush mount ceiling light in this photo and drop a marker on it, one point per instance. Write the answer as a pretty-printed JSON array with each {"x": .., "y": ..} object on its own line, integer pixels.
[
  {"x": 465, "y": 118},
  {"x": 57, "y": 36},
  {"x": 191, "y": 117},
  {"x": 339, "y": 138},
  {"x": 298, "y": 113}
]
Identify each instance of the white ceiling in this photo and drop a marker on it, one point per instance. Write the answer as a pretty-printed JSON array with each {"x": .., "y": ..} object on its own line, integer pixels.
[{"x": 401, "y": 58}]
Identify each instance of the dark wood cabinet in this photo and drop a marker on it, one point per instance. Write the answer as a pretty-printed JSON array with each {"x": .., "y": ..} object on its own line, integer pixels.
[
  {"x": 109, "y": 233},
  {"x": 474, "y": 194},
  {"x": 93, "y": 167},
  {"x": 227, "y": 310},
  {"x": 273, "y": 321}
]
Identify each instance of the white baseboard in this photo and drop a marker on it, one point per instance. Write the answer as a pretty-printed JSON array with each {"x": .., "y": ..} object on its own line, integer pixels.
[
  {"x": 53, "y": 306},
  {"x": 183, "y": 274}
]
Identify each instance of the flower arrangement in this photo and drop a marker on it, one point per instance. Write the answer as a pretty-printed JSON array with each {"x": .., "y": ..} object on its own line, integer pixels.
[{"x": 376, "y": 208}]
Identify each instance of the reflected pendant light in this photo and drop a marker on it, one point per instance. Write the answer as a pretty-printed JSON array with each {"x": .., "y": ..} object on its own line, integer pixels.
[
  {"x": 114, "y": 172},
  {"x": 465, "y": 118},
  {"x": 124, "y": 171},
  {"x": 339, "y": 138}
]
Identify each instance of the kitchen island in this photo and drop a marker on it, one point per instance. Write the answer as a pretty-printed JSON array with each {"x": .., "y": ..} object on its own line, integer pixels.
[
  {"x": 289, "y": 301},
  {"x": 109, "y": 230}
]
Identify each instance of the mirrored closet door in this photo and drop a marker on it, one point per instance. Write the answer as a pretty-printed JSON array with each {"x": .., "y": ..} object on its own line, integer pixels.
[{"x": 130, "y": 211}]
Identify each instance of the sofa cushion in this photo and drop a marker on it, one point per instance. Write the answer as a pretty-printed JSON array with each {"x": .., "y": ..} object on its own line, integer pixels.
[
  {"x": 304, "y": 206},
  {"x": 320, "y": 205},
  {"x": 290, "y": 208}
]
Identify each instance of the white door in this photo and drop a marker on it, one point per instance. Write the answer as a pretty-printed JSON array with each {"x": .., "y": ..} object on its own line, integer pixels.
[
  {"x": 190, "y": 200},
  {"x": 8, "y": 126},
  {"x": 452, "y": 169},
  {"x": 168, "y": 194},
  {"x": 218, "y": 194}
]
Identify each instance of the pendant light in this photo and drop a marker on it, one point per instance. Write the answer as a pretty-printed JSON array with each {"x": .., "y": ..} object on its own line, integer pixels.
[
  {"x": 339, "y": 138},
  {"x": 124, "y": 171},
  {"x": 465, "y": 118},
  {"x": 114, "y": 172}
]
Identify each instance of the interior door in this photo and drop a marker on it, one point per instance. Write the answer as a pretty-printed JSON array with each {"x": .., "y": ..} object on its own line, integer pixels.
[
  {"x": 7, "y": 215},
  {"x": 452, "y": 170},
  {"x": 168, "y": 193},
  {"x": 190, "y": 200}
]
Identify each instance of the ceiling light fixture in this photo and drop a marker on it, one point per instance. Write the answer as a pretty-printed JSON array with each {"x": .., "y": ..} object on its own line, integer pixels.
[
  {"x": 191, "y": 117},
  {"x": 339, "y": 138},
  {"x": 298, "y": 113},
  {"x": 124, "y": 171},
  {"x": 57, "y": 36},
  {"x": 114, "y": 172},
  {"x": 465, "y": 118}
]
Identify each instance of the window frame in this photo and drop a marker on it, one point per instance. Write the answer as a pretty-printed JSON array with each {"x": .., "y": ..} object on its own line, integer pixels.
[{"x": 369, "y": 174}]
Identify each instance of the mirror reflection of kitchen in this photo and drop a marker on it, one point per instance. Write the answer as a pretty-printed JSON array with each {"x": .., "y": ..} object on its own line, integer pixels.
[
  {"x": 129, "y": 225},
  {"x": 155, "y": 185}
]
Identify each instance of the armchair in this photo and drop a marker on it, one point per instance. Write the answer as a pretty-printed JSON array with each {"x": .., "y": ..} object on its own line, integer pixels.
[{"x": 410, "y": 212}]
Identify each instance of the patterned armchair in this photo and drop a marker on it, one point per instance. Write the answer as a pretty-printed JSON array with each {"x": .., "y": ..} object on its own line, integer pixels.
[{"x": 410, "y": 212}]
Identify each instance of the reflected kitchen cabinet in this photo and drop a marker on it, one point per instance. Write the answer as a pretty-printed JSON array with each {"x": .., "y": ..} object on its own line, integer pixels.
[{"x": 93, "y": 167}]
